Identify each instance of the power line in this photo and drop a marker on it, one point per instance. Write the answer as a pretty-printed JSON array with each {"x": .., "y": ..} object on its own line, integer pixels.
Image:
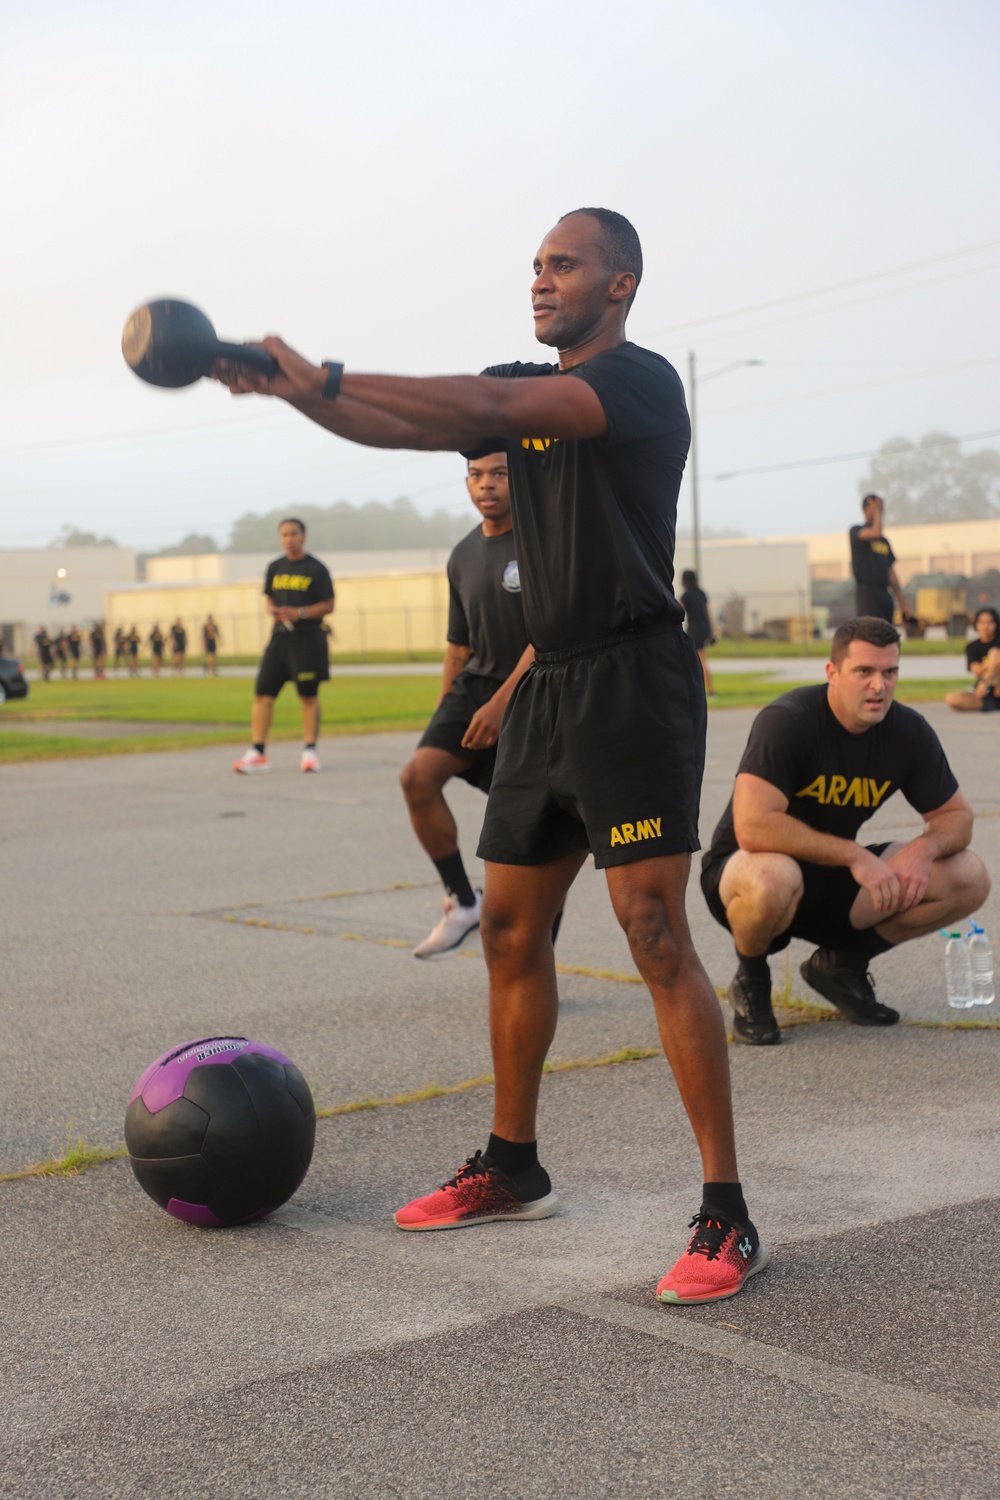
[
  {"x": 860, "y": 385},
  {"x": 841, "y": 458},
  {"x": 819, "y": 312},
  {"x": 47, "y": 444},
  {"x": 839, "y": 286}
]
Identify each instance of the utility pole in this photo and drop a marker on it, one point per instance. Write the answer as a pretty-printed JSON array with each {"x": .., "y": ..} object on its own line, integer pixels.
[
  {"x": 695, "y": 530},
  {"x": 693, "y": 378}
]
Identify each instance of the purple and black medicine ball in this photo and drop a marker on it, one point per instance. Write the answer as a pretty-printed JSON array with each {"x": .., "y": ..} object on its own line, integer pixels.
[{"x": 221, "y": 1130}]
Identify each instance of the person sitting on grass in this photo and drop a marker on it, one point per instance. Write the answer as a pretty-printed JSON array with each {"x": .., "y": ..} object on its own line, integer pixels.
[
  {"x": 982, "y": 657},
  {"x": 784, "y": 861}
]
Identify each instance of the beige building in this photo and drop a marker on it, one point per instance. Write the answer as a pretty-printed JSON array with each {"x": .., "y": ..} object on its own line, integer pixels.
[
  {"x": 966, "y": 547},
  {"x": 397, "y": 612},
  {"x": 397, "y": 602}
]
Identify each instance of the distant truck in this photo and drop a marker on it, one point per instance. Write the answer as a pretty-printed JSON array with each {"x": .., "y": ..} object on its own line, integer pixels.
[{"x": 939, "y": 606}]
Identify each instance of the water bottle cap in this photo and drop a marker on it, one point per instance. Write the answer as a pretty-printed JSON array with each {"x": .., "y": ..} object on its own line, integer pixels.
[{"x": 974, "y": 926}]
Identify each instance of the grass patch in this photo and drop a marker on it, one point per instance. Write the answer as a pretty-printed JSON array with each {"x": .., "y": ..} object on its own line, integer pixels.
[
  {"x": 195, "y": 712},
  {"x": 745, "y": 649},
  {"x": 213, "y": 711},
  {"x": 77, "y": 1155},
  {"x": 347, "y": 702}
]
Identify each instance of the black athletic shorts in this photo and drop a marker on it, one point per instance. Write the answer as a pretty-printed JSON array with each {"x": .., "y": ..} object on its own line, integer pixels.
[
  {"x": 823, "y": 916},
  {"x": 294, "y": 656},
  {"x": 602, "y": 748},
  {"x": 871, "y": 599},
  {"x": 452, "y": 718}
]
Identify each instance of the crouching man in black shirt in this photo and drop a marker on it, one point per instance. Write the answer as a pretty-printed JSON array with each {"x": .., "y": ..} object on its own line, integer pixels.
[
  {"x": 298, "y": 592},
  {"x": 603, "y": 742},
  {"x": 784, "y": 860},
  {"x": 486, "y": 657}
]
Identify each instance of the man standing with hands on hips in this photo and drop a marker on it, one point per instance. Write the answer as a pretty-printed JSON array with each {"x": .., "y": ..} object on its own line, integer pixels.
[{"x": 603, "y": 743}]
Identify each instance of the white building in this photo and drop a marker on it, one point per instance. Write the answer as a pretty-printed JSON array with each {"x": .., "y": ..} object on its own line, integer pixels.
[{"x": 56, "y": 587}]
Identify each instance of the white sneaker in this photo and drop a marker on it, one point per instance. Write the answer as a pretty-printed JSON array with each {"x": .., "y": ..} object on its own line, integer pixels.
[
  {"x": 458, "y": 921},
  {"x": 251, "y": 761},
  {"x": 309, "y": 761}
]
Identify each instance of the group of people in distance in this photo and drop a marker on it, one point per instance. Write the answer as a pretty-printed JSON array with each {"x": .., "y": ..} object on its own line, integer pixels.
[
  {"x": 64, "y": 649},
  {"x": 592, "y": 737},
  {"x": 178, "y": 641}
]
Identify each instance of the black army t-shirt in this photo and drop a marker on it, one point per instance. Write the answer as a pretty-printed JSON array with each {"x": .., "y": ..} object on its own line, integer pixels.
[
  {"x": 871, "y": 559},
  {"x": 835, "y": 781},
  {"x": 694, "y": 602},
  {"x": 297, "y": 585},
  {"x": 977, "y": 651},
  {"x": 594, "y": 521},
  {"x": 485, "y": 611}
]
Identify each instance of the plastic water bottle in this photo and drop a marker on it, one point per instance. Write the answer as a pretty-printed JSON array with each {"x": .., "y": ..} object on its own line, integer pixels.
[
  {"x": 958, "y": 972},
  {"x": 981, "y": 964}
]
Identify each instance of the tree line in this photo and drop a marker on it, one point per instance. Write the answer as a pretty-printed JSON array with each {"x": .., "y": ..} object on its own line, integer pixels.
[{"x": 927, "y": 480}]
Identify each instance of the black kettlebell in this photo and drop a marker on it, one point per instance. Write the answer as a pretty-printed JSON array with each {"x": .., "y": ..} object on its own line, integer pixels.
[{"x": 171, "y": 343}]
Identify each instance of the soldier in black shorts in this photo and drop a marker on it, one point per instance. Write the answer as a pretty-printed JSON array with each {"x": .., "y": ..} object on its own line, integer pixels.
[
  {"x": 43, "y": 645},
  {"x": 784, "y": 860},
  {"x": 178, "y": 647},
  {"x": 210, "y": 635},
  {"x": 132, "y": 642},
  {"x": 119, "y": 639},
  {"x": 60, "y": 651},
  {"x": 874, "y": 564},
  {"x": 74, "y": 641},
  {"x": 98, "y": 649},
  {"x": 487, "y": 655},
  {"x": 698, "y": 623},
  {"x": 602, "y": 745},
  {"x": 156, "y": 649},
  {"x": 298, "y": 593}
]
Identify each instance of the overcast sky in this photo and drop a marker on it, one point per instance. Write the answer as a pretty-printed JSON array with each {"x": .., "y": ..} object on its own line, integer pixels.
[{"x": 372, "y": 182}]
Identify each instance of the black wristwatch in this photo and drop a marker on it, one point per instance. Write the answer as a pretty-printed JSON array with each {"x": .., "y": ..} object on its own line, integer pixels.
[{"x": 333, "y": 373}]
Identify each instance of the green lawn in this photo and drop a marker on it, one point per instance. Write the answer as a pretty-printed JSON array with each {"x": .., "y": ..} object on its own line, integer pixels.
[
  {"x": 733, "y": 649},
  {"x": 350, "y": 705},
  {"x": 216, "y": 711}
]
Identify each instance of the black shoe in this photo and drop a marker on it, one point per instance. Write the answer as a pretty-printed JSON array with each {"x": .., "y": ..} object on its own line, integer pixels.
[
  {"x": 849, "y": 989},
  {"x": 753, "y": 1018}
]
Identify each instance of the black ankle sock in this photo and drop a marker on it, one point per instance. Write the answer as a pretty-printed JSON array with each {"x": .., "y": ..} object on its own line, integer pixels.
[
  {"x": 456, "y": 882},
  {"x": 863, "y": 947},
  {"x": 511, "y": 1157},
  {"x": 727, "y": 1197},
  {"x": 259, "y": 749},
  {"x": 310, "y": 744},
  {"x": 754, "y": 968},
  {"x": 556, "y": 926}
]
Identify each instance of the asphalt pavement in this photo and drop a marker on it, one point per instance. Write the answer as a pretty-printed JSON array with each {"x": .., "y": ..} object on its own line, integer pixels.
[{"x": 153, "y": 898}]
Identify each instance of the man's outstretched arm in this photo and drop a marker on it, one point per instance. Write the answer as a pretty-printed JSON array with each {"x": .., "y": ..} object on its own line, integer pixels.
[{"x": 448, "y": 412}]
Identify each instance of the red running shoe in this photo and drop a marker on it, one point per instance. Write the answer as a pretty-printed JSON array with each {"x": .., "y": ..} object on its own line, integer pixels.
[
  {"x": 479, "y": 1193},
  {"x": 720, "y": 1257}
]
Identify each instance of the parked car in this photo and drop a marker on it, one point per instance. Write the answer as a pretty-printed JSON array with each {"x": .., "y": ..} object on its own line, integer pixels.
[{"x": 12, "y": 683}]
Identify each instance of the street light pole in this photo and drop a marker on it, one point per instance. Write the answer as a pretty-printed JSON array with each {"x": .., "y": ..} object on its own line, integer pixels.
[{"x": 693, "y": 379}]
